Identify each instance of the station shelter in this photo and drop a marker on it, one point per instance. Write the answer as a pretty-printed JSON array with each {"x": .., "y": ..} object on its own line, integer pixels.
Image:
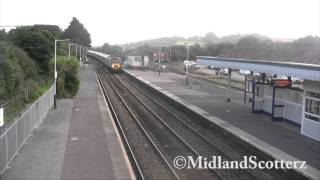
[{"x": 298, "y": 104}]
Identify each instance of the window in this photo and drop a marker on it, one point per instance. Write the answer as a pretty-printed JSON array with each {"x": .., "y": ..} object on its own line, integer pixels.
[
  {"x": 312, "y": 109},
  {"x": 259, "y": 91},
  {"x": 137, "y": 58}
]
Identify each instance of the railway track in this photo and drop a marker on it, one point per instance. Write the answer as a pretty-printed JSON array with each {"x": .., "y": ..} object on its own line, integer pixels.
[
  {"x": 166, "y": 133},
  {"x": 170, "y": 143},
  {"x": 201, "y": 135},
  {"x": 167, "y": 143},
  {"x": 147, "y": 159},
  {"x": 200, "y": 144}
]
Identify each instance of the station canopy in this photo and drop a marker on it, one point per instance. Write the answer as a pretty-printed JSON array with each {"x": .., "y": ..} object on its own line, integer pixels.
[{"x": 297, "y": 70}]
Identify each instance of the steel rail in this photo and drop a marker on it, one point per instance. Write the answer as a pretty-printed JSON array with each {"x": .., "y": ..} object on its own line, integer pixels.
[
  {"x": 142, "y": 128},
  {"x": 168, "y": 127},
  {"x": 114, "y": 115},
  {"x": 179, "y": 119}
]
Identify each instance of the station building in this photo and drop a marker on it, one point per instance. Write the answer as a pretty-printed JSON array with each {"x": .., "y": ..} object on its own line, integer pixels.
[{"x": 299, "y": 106}]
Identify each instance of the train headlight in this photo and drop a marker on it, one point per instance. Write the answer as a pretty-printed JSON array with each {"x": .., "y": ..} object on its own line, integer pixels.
[{"x": 115, "y": 66}]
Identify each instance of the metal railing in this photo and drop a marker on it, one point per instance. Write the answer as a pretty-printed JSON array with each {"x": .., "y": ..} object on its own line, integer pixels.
[{"x": 15, "y": 136}]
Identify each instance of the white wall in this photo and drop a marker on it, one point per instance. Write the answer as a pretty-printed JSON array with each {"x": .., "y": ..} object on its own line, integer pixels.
[{"x": 311, "y": 128}]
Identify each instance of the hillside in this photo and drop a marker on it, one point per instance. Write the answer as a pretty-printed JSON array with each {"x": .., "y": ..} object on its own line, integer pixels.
[
  {"x": 210, "y": 37},
  {"x": 304, "y": 50}
]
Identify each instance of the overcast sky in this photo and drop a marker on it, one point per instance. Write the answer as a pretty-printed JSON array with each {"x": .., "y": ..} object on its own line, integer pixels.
[{"x": 123, "y": 21}]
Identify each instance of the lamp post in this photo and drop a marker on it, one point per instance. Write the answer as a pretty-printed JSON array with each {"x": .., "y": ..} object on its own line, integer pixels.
[
  {"x": 69, "y": 48},
  {"x": 84, "y": 53},
  {"x": 80, "y": 52},
  {"x": 55, "y": 70},
  {"x": 77, "y": 51},
  {"x": 83, "y": 49},
  {"x": 187, "y": 53},
  {"x": 187, "y": 66}
]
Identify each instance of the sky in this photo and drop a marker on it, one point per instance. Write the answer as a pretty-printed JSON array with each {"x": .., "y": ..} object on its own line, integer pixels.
[{"x": 124, "y": 21}]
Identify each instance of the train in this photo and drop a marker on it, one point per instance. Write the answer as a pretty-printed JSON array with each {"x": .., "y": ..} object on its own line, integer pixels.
[{"x": 113, "y": 63}]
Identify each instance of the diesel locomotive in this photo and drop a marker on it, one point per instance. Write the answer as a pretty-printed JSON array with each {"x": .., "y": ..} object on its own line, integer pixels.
[{"x": 113, "y": 63}]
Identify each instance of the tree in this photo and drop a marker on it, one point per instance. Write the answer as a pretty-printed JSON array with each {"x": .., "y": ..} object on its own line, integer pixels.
[
  {"x": 210, "y": 37},
  {"x": 15, "y": 68},
  {"x": 178, "y": 53},
  {"x": 308, "y": 40},
  {"x": 37, "y": 43},
  {"x": 219, "y": 48},
  {"x": 197, "y": 50},
  {"x": 112, "y": 50},
  {"x": 77, "y": 33},
  {"x": 234, "y": 38},
  {"x": 3, "y": 35},
  {"x": 53, "y": 29},
  {"x": 249, "y": 41}
]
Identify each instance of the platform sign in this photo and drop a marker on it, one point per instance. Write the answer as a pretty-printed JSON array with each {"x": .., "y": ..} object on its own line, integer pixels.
[
  {"x": 280, "y": 83},
  {"x": 1, "y": 117}
]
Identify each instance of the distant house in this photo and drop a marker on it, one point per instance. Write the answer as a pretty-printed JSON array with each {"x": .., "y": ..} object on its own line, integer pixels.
[{"x": 136, "y": 60}]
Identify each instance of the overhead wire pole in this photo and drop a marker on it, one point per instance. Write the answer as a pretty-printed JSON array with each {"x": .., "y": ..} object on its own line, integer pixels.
[{"x": 55, "y": 70}]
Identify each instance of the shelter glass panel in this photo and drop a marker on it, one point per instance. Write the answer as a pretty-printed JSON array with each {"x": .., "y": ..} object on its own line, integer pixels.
[{"x": 312, "y": 109}]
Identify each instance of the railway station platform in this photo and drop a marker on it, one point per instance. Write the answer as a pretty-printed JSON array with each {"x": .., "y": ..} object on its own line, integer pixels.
[
  {"x": 75, "y": 141},
  {"x": 280, "y": 138}
]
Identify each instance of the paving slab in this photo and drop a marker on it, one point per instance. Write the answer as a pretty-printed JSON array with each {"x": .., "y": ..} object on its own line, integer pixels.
[
  {"x": 88, "y": 153},
  {"x": 43, "y": 155}
]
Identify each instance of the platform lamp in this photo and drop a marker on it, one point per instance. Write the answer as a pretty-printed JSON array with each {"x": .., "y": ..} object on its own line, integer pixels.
[
  {"x": 55, "y": 70},
  {"x": 69, "y": 49},
  {"x": 188, "y": 65},
  {"x": 85, "y": 50},
  {"x": 159, "y": 63},
  {"x": 80, "y": 50}
]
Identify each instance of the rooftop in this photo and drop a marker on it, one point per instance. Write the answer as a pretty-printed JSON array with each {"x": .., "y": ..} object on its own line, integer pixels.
[{"x": 293, "y": 69}]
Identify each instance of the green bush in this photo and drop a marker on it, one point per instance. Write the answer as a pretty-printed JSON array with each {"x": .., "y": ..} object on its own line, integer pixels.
[
  {"x": 39, "y": 91},
  {"x": 19, "y": 81},
  {"x": 68, "y": 76},
  {"x": 38, "y": 44},
  {"x": 16, "y": 68}
]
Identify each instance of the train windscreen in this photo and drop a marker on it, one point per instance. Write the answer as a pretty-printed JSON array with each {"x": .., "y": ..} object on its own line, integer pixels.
[{"x": 115, "y": 60}]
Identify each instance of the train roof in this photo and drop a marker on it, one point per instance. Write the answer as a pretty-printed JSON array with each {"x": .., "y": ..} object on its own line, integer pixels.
[{"x": 99, "y": 54}]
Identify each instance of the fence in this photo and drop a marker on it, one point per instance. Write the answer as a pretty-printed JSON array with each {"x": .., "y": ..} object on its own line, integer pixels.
[
  {"x": 18, "y": 132},
  {"x": 13, "y": 106}
]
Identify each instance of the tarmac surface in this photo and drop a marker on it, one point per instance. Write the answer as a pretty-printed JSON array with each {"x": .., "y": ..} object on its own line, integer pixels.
[
  {"x": 75, "y": 141},
  {"x": 212, "y": 99}
]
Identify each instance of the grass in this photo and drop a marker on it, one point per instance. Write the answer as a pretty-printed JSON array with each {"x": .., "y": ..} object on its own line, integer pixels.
[
  {"x": 39, "y": 91},
  {"x": 8, "y": 117}
]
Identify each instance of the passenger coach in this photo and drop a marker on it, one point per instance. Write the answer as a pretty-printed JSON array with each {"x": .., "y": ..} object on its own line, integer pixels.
[{"x": 113, "y": 63}]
